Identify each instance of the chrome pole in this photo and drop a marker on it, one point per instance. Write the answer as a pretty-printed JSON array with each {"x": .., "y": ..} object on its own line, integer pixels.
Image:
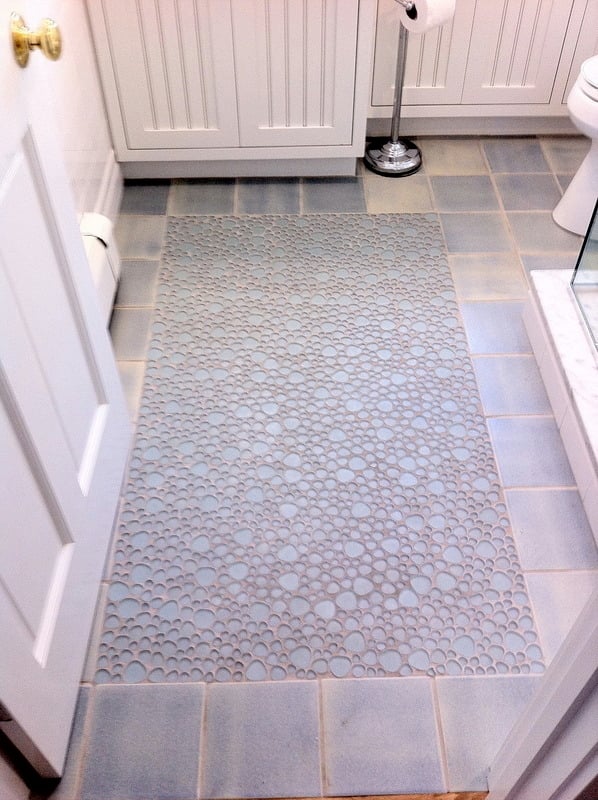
[{"x": 396, "y": 157}]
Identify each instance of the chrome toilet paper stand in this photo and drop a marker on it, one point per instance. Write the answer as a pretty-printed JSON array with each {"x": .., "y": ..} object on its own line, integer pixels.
[{"x": 396, "y": 157}]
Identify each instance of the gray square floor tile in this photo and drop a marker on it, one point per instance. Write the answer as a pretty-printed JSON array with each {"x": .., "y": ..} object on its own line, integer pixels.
[
  {"x": 130, "y": 332},
  {"x": 476, "y": 233},
  {"x": 495, "y": 328},
  {"x": 202, "y": 197},
  {"x": 91, "y": 658},
  {"x": 321, "y": 195},
  {"x": 527, "y": 192},
  {"x": 137, "y": 285},
  {"x": 549, "y": 261},
  {"x": 551, "y": 530},
  {"x": 565, "y": 153},
  {"x": 511, "y": 385},
  {"x": 268, "y": 196},
  {"x": 536, "y": 231},
  {"x": 380, "y": 737},
  {"x": 564, "y": 180},
  {"x": 491, "y": 276},
  {"x": 145, "y": 197},
  {"x": 389, "y": 196},
  {"x": 477, "y": 715},
  {"x": 144, "y": 742},
  {"x": 470, "y": 193},
  {"x": 453, "y": 157},
  {"x": 68, "y": 788},
  {"x": 131, "y": 376},
  {"x": 140, "y": 235},
  {"x": 557, "y": 600},
  {"x": 529, "y": 452},
  {"x": 515, "y": 155},
  {"x": 261, "y": 740}
]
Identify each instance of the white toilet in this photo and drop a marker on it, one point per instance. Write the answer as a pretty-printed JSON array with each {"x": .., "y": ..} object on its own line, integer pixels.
[{"x": 577, "y": 204}]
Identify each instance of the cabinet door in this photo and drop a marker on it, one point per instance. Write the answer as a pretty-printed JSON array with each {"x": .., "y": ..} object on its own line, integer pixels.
[
  {"x": 515, "y": 50},
  {"x": 168, "y": 71},
  {"x": 435, "y": 61},
  {"x": 295, "y": 63},
  {"x": 586, "y": 41}
]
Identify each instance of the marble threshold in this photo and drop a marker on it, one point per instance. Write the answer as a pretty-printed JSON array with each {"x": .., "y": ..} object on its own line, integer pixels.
[{"x": 568, "y": 362}]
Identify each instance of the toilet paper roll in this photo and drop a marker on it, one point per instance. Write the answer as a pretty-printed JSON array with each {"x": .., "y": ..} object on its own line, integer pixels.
[{"x": 427, "y": 14}]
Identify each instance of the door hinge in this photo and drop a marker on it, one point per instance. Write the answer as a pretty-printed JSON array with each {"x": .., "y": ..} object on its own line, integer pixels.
[{"x": 4, "y": 714}]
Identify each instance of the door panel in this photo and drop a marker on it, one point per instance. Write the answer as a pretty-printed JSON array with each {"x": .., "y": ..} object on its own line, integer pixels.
[
  {"x": 46, "y": 303},
  {"x": 64, "y": 430}
]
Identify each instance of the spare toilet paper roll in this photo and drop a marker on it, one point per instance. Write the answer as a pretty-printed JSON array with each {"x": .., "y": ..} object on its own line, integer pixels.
[{"x": 427, "y": 14}]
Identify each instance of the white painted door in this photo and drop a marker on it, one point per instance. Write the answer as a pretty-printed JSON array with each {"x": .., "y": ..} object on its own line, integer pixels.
[
  {"x": 63, "y": 424},
  {"x": 295, "y": 68}
]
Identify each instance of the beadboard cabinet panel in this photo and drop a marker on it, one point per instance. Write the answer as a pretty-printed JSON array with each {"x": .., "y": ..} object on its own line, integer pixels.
[
  {"x": 227, "y": 80},
  {"x": 497, "y": 60},
  {"x": 515, "y": 50},
  {"x": 173, "y": 71},
  {"x": 586, "y": 44},
  {"x": 436, "y": 61},
  {"x": 295, "y": 71}
]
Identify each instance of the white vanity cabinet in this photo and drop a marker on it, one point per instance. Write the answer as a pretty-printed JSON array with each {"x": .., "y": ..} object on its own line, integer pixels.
[
  {"x": 497, "y": 59},
  {"x": 207, "y": 83},
  {"x": 436, "y": 61}
]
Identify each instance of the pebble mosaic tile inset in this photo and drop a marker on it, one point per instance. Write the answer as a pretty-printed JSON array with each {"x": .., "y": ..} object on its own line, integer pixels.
[{"x": 312, "y": 491}]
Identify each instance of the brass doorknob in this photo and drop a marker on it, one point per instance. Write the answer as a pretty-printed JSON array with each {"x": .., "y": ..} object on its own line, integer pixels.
[{"x": 46, "y": 38}]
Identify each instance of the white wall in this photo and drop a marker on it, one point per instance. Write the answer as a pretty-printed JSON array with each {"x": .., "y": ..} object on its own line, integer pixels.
[{"x": 83, "y": 127}]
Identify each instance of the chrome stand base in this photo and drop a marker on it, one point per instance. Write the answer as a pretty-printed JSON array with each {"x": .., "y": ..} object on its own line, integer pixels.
[{"x": 394, "y": 159}]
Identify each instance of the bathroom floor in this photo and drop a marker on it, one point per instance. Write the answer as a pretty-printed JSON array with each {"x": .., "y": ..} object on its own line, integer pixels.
[{"x": 350, "y": 533}]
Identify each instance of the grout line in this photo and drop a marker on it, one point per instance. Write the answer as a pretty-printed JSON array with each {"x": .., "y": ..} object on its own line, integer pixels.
[
  {"x": 84, "y": 746},
  {"x": 202, "y": 739},
  {"x": 559, "y": 570},
  {"x": 520, "y": 415},
  {"x": 236, "y": 201},
  {"x": 440, "y": 736},
  {"x": 322, "y": 740},
  {"x": 557, "y": 487}
]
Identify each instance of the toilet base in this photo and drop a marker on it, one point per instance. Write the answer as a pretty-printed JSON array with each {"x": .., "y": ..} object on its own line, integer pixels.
[{"x": 575, "y": 207}]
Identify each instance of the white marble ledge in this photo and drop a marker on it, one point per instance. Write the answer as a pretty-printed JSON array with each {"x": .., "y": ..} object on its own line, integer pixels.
[{"x": 573, "y": 347}]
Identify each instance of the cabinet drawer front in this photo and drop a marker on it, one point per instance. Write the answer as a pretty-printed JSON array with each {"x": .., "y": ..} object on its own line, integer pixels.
[
  {"x": 172, "y": 68},
  {"x": 295, "y": 63},
  {"x": 515, "y": 50}
]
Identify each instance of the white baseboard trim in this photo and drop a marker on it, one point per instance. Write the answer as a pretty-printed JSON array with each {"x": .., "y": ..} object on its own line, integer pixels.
[
  {"x": 475, "y": 126},
  {"x": 111, "y": 189},
  {"x": 263, "y": 168}
]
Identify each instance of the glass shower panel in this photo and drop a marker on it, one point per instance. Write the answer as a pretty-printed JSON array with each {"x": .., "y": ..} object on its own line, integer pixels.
[{"x": 585, "y": 277}]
